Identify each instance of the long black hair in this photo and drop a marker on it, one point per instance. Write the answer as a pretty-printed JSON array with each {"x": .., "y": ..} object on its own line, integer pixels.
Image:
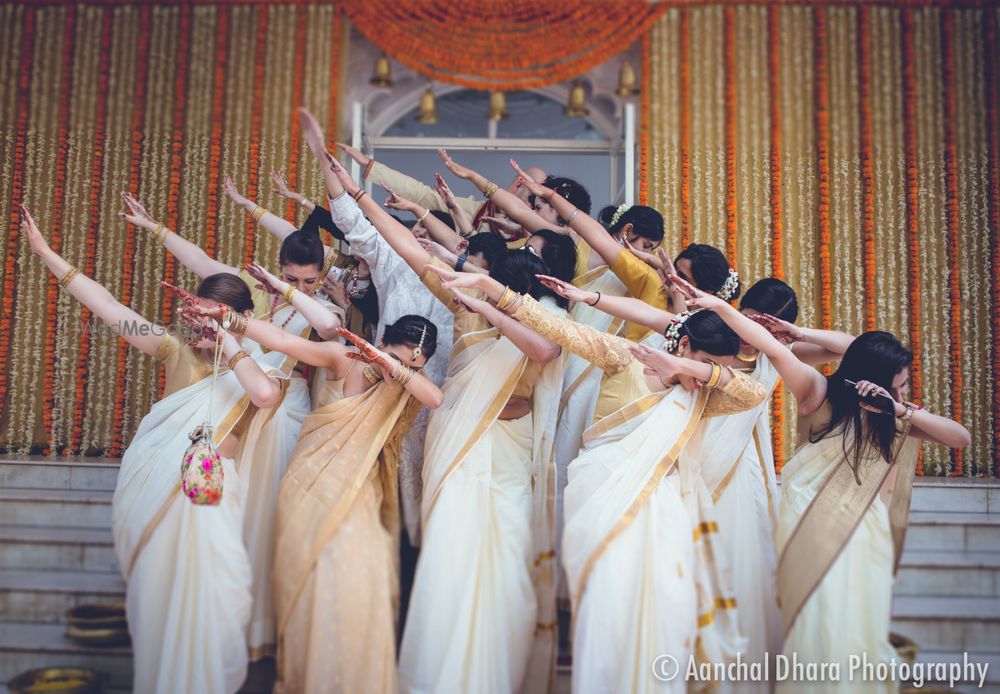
[
  {"x": 409, "y": 330},
  {"x": 878, "y": 357},
  {"x": 772, "y": 296},
  {"x": 709, "y": 268},
  {"x": 646, "y": 222}
]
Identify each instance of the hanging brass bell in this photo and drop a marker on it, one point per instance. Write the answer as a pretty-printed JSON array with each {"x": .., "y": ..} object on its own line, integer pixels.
[
  {"x": 498, "y": 106},
  {"x": 427, "y": 112},
  {"x": 576, "y": 107},
  {"x": 382, "y": 74},
  {"x": 627, "y": 84}
]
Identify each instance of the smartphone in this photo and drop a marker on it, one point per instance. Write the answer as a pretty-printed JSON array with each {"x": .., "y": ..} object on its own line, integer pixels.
[
  {"x": 876, "y": 400},
  {"x": 338, "y": 273}
]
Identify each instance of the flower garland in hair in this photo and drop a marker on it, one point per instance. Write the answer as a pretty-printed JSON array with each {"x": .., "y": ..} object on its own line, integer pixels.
[
  {"x": 729, "y": 288},
  {"x": 673, "y": 331},
  {"x": 622, "y": 209}
]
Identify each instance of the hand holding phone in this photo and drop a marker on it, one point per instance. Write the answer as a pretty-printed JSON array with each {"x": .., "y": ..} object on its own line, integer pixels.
[{"x": 878, "y": 400}]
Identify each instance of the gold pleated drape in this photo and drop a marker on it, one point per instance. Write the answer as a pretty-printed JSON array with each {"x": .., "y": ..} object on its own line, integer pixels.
[
  {"x": 165, "y": 101},
  {"x": 852, "y": 151}
]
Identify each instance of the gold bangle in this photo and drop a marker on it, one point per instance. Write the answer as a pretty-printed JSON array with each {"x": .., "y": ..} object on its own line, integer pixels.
[
  {"x": 238, "y": 325},
  {"x": 402, "y": 374},
  {"x": 68, "y": 277},
  {"x": 490, "y": 189},
  {"x": 370, "y": 375},
  {"x": 257, "y": 213},
  {"x": 235, "y": 359},
  {"x": 716, "y": 376},
  {"x": 289, "y": 293},
  {"x": 507, "y": 299}
]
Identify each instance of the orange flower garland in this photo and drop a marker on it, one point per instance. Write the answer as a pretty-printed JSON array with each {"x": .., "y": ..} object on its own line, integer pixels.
[
  {"x": 502, "y": 44},
  {"x": 953, "y": 224},
  {"x": 333, "y": 107},
  {"x": 94, "y": 205},
  {"x": 128, "y": 262},
  {"x": 253, "y": 173},
  {"x": 823, "y": 165},
  {"x": 992, "y": 88},
  {"x": 176, "y": 163},
  {"x": 777, "y": 214},
  {"x": 59, "y": 201},
  {"x": 218, "y": 116},
  {"x": 297, "y": 91},
  {"x": 912, "y": 205},
  {"x": 730, "y": 130},
  {"x": 685, "y": 133},
  {"x": 644, "y": 119},
  {"x": 867, "y": 164}
]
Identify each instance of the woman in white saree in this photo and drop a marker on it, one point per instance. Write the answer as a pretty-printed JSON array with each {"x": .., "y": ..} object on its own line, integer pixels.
[
  {"x": 290, "y": 302},
  {"x": 484, "y": 584},
  {"x": 186, "y": 569},
  {"x": 845, "y": 498},
  {"x": 634, "y": 487}
]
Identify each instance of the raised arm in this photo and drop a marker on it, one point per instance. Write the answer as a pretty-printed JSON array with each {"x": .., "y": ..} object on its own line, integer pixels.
[
  {"x": 279, "y": 185},
  {"x": 624, "y": 307},
  {"x": 191, "y": 256},
  {"x": 812, "y": 345},
  {"x": 264, "y": 390},
  {"x": 462, "y": 221},
  {"x": 512, "y": 205},
  {"x": 438, "y": 230},
  {"x": 806, "y": 383},
  {"x": 268, "y": 221},
  {"x": 141, "y": 333},
  {"x": 325, "y": 322},
  {"x": 585, "y": 226},
  {"x": 536, "y": 347}
]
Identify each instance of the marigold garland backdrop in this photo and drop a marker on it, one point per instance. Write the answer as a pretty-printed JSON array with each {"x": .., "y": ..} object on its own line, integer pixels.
[{"x": 850, "y": 148}]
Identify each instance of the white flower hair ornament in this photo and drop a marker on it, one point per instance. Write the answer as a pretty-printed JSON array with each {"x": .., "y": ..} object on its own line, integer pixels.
[
  {"x": 622, "y": 209},
  {"x": 672, "y": 333},
  {"x": 732, "y": 283}
]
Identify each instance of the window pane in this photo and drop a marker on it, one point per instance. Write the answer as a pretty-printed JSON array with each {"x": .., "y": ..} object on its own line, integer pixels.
[
  {"x": 460, "y": 114},
  {"x": 535, "y": 116}
]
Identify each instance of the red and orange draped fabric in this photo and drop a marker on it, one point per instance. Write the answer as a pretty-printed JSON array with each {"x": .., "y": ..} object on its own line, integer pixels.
[{"x": 502, "y": 44}]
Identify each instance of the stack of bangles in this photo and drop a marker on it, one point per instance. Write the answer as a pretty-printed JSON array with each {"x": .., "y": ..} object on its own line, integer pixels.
[
  {"x": 716, "y": 376},
  {"x": 507, "y": 299},
  {"x": 490, "y": 189},
  {"x": 257, "y": 213},
  {"x": 910, "y": 409},
  {"x": 289, "y": 293},
  {"x": 161, "y": 233},
  {"x": 402, "y": 374},
  {"x": 235, "y": 323},
  {"x": 68, "y": 277},
  {"x": 358, "y": 195}
]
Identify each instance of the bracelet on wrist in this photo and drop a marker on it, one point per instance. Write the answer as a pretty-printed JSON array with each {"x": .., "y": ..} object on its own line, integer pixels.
[{"x": 596, "y": 301}]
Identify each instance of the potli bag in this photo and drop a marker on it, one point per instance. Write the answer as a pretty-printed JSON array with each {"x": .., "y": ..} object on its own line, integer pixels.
[{"x": 201, "y": 467}]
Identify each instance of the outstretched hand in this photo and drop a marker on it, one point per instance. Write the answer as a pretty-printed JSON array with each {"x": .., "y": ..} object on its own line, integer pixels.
[
  {"x": 531, "y": 184},
  {"x": 567, "y": 290},
  {"x": 650, "y": 259},
  {"x": 268, "y": 282},
  {"x": 470, "y": 302},
  {"x": 366, "y": 353},
  {"x": 783, "y": 331},
  {"x": 343, "y": 177},
  {"x": 354, "y": 153},
  {"x": 230, "y": 187},
  {"x": 658, "y": 362},
  {"x": 184, "y": 295},
  {"x": 456, "y": 280},
  {"x": 136, "y": 214},
  {"x": 39, "y": 246},
  {"x": 395, "y": 201},
  {"x": 312, "y": 131},
  {"x": 507, "y": 226},
  {"x": 456, "y": 169}
]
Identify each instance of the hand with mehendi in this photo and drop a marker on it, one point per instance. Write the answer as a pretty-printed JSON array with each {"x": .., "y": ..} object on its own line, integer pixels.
[
  {"x": 268, "y": 282},
  {"x": 783, "y": 331},
  {"x": 367, "y": 353},
  {"x": 184, "y": 295},
  {"x": 136, "y": 214}
]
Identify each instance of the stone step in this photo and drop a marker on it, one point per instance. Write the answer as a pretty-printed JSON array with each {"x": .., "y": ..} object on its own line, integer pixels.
[
  {"x": 938, "y": 573},
  {"x": 56, "y": 548},
  {"x": 40, "y": 472},
  {"x": 44, "y": 596},
  {"x": 956, "y": 531},
  {"x": 952, "y": 624},
  {"x": 56, "y": 507},
  {"x": 977, "y": 495},
  {"x": 24, "y": 646}
]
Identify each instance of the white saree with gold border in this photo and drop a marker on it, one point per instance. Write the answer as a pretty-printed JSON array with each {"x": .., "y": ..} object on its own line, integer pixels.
[
  {"x": 488, "y": 529},
  {"x": 839, "y": 545},
  {"x": 737, "y": 465},
  {"x": 186, "y": 568}
]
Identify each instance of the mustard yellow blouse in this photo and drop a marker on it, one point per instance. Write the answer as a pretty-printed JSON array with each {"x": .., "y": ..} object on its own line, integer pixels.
[{"x": 642, "y": 282}]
